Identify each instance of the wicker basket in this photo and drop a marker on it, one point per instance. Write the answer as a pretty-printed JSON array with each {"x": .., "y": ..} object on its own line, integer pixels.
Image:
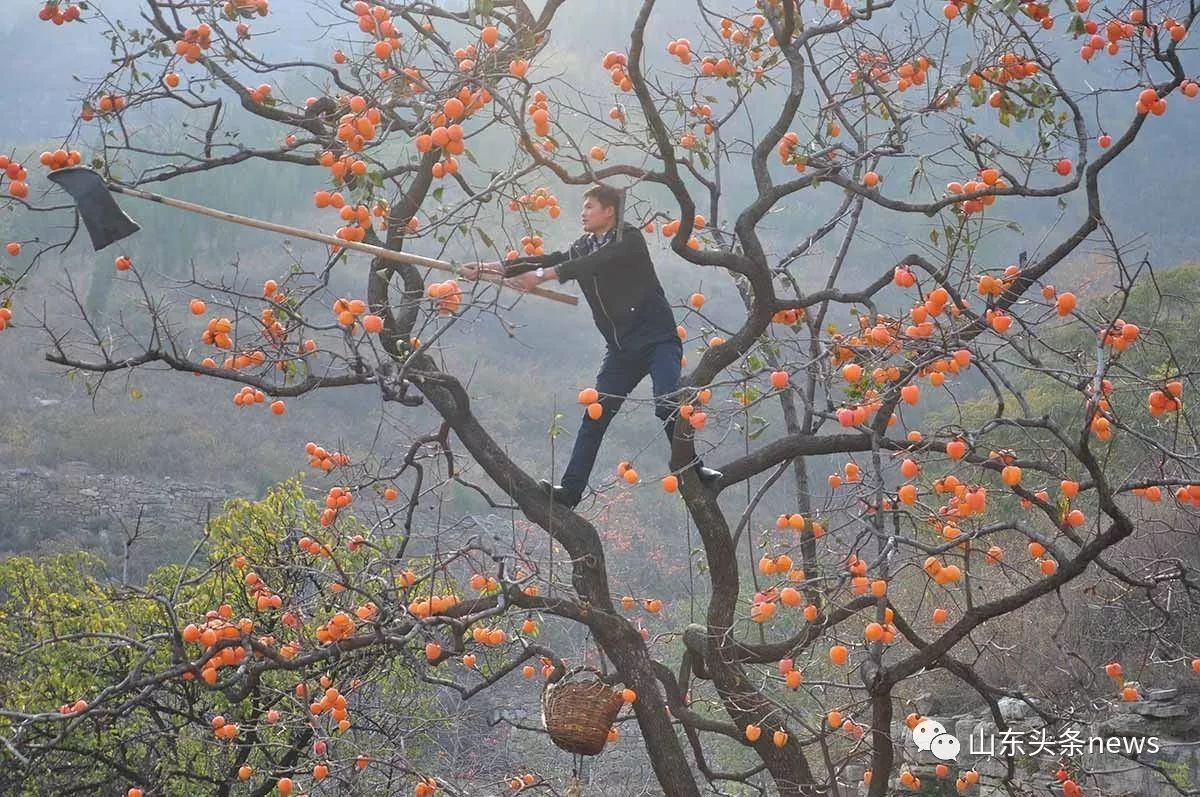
[{"x": 578, "y": 714}]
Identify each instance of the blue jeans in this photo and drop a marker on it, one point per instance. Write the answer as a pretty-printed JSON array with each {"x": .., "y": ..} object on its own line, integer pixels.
[{"x": 620, "y": 373}]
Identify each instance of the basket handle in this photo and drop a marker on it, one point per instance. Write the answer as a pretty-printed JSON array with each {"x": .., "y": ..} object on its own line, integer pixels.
[{"x": 581, "y": 668}]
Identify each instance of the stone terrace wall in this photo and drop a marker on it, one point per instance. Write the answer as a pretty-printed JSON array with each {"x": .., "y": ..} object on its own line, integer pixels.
[{"x": 76, "y": 506}]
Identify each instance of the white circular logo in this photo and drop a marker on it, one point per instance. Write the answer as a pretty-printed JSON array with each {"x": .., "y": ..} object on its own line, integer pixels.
[{"x": 931, "y": 736}]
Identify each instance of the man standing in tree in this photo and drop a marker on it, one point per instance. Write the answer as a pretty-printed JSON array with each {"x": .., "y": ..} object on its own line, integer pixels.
[{"x": 612, "y": 265}]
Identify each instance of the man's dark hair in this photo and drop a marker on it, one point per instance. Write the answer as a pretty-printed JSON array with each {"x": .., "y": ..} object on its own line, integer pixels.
[{"x": 606, "y": 195}]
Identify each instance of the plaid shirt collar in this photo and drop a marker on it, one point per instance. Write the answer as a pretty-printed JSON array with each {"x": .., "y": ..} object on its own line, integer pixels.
[{"x": 594, "y": 241}]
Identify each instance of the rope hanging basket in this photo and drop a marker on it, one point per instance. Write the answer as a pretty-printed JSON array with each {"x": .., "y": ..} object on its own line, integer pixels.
[{"x": 578, "y": 713}]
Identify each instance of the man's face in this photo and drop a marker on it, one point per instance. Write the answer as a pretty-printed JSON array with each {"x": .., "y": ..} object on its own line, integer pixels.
[{"x": 595, "y": 216}]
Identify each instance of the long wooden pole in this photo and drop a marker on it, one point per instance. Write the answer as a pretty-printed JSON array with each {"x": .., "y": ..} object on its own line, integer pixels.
[{"x": 377, "y": 251}]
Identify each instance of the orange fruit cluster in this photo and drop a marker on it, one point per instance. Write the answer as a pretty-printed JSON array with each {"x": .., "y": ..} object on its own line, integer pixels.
[
  {"x": 342, "y": 168},
  {"x": 990, "y": 285},
  {"x": 338, "y": 498},
  {"x": 860, "y": 413},
  {"x": 448, "y": 294},
  {"x": 952, "y": 9},
  {"x": 1038, "y": 12},
  {"x": 1121, "y": 334},
  {"x": 617, "y": 63},
  {"x": 427, "y": 607},
  {"x": 272, "y": 328},
  {"x": 539, "y": 113},
  {"x": 540, "y": 199},
  {"x": 60, "y": 158},
  {"x": 839, "y": 6},
  {"x": 1070, "y": 787},
  {"x": 1115, "y": 31},
  {"x": 341, "y": 626},
  {"x": 489, "y": 636},
  {"x": 446, "y": 131},
  {"x": 798, "y": 522},
  {"x": 1000, "y": 320},
  {"x": 260, "y": 594},
  {"x": 218, "y": 626},
  {"x": 223, "y": 729},
  {"x": 911, "y": 74},
  {"x": 682, "y": 50},
  {"x": 787, "y": 151},
  {"x": 465, "y": 56},
  {"x": 16, "y": 175},
  {"x": 324, "y": 460},
  {"x": 761, "y": 611},
  {"x": 59, "y": 13},
  {"x": 248, "y": 396},
  {"x": 779, "y": 564},
  {"x": 1012, "y": 67},
  {"x": 532, "y": 245},
  {"x": 715, "y": 67},
  {"x": 377, "y": 20},
  {"x": 672, "y": 227},
  {"x": 988, "y": 178},
  {"x": 1150, "y": 102},
  {"x": 73, "y": 708},
  {"x": 5, "y": 317},
  {"x": 244, "y": 359},
  {"x": 703, "y": 111},
  {"x": 788, "y": 317},
  {"x": 315, "y": 547},
  {"x": 747, "y": 37},
  {"x": 333, "y": 701},
  {"x": 1188, "y": 494},
  {"x": 481, "y": 582},
  {"x": 942, "y": 574},
  {"x": 217, "y": 333},
  {"x": 964, "y": 501},
  {"x": 194, "y": 43},
  {"x": 877, "y": 632},
  {"x": 234, "y": 8},
  {"x": 519, "y": 782},
  {"x": 1167, "y": 399},
  {"x": 359, "y": 125},
  {"x": 936, "y": 371},
  {"x": 347, "y": 311},
  {"x": 259, "y": 94}
]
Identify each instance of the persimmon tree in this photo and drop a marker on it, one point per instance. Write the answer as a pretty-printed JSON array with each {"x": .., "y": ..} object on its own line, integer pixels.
[{"x": 950, "y": 512}]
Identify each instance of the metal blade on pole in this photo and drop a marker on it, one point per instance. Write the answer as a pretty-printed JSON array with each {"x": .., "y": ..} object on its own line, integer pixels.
[{"x": 102, "y": 216}]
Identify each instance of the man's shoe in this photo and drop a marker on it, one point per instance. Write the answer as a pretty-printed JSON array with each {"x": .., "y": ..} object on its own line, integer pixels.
[
  {"x": 560, "y": 494},
  {"x": 707, "y": 475}
]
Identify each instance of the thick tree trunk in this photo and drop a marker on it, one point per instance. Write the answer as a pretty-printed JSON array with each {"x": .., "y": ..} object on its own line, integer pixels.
[
  {"x": 745, "y": 704},
  {"x": 620, "y": 641},
  {"x": 667, "y": 757}
]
